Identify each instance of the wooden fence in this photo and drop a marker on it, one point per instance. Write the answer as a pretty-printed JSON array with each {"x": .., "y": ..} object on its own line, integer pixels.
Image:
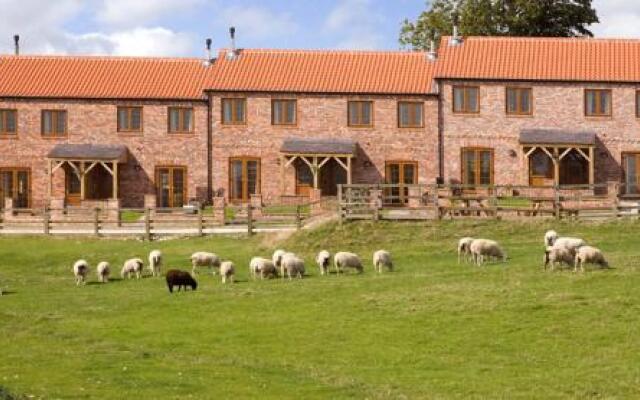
[{"x": 422, "y": 202}]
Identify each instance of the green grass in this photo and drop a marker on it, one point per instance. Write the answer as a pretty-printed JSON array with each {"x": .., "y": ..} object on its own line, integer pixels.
[
  {"x": 431, "y": 329},
  {"x": 131, "y": 216}
]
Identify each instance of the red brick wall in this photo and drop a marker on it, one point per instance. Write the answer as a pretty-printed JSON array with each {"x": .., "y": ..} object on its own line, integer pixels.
[
  {"x": 555, "y": 106},
  {"x": 324, "y": 116},
  {"x": 95, "y": 122}
]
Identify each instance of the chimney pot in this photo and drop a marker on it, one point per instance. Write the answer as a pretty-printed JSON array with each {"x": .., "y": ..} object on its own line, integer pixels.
[{"x": 16, "y": 41}]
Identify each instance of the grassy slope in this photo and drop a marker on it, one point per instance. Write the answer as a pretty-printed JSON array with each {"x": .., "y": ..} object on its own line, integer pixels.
[{"x": 431, "y": 329}]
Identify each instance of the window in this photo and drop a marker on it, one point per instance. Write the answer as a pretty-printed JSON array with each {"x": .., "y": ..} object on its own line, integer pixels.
[
  {"x": 244, "y": 178},
  {"x": 631, "y": 166},
  {"x": 360, "y": 113},
  {"x": 477, "y": 166},
  {"x": 400, "y": 173},
  {"x": 410, "y": 114},
  {"x": 8, "y": 122},
  {"x": 466, "y": 99},
  {"x": 283, "y": 112},
  {"x": 519, "y": 101},
  {"x": 180, "y": 120},
  {"x": 638, "y": 104},
  {"x": 597, "y": 103},
  {"x": 234, "y": 111},
  {"x": 54, "y": 123},
  {"x": 14, "y": 183},
  {"x": 129, "y": 119},
  {"x": 171, "y": 186}
]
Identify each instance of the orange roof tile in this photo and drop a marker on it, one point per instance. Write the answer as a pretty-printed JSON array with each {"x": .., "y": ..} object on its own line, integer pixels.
[
  {"x": 545, "y": 59},
  {"x": 102, "y": 77},
  {"x": 312, "y": 71}
]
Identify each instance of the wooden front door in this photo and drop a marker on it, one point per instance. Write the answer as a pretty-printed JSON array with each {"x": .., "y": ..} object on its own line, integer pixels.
[
  {"x": 72, "y": 188},
  {"x": 631, "y": 165},
  {"x": 304, "y": 179},
  {"x": 244, "y": 178},
  {"x": 541, "y": 169},
  {"x": 15, "y": 183},
  {"x": 171, "y": 186},
  {"x": 400, "y": 173}
]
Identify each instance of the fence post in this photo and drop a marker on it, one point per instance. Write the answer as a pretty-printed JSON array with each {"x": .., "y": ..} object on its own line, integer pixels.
[
  {"x": 249, "y": 220},
  {"x": 556, "y": 201},
  {"x": 147, "y": 223},
  {"x": 96, "y": 221},
  {"x": 200, "y": 221},
  {"x": 46, "y": 220},
  {"x": 298, "y": 217},
  {"x": 340, "y": 216}
]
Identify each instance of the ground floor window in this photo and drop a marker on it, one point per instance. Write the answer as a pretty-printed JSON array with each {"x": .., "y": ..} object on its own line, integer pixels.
[
  {"x": 171, "y": 186},
  {"x": 477, "y": 166},
  {"x": 400, "y": 173},
  {"x": 631, "y": 166},
  {"x": 15, "y": 183},
  {"x": 244, "y": 178}
]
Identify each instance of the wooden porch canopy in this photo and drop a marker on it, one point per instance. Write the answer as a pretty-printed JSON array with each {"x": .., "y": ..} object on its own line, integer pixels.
[
  {"x": 316, "y": 153},
  {"x": 557, "y": 144},
  {"x": 82, "y": 158}
]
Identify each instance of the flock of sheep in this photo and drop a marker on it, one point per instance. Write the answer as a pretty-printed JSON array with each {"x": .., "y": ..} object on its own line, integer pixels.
[
  {"x": 282, "y": 263},
  {"x": 558, "y": 250}
]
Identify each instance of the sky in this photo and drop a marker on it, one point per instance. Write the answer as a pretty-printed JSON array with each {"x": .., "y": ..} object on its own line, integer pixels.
[{"x": 179, "y": 27}]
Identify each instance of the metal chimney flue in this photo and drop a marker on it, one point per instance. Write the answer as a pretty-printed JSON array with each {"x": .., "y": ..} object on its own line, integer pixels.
[
  {"x": 16, "y": 42},
  {"x": 231, "y": 54},
  {"x": 432, "y": 54},
  {"x": 207, "y": 53}
]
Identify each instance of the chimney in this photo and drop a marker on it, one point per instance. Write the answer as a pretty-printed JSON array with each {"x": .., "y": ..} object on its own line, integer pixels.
[
  {"x": 231, "y": 54},
  {"x": 207, "y": 61},
  {"x": 432, "y": 54},
  {"x": 16, "y": 41},
  {"x": 455, "y": 40}
]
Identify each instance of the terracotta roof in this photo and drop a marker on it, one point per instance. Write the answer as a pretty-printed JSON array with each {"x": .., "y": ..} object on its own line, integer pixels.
[
  {"x": 101, "y": 77},
  {"x": 556, "y": 136},
  {"x": 548, "y": 59},
  {"x": 312, "y": 71},
  {"x": 318, "y": 146},
  {"x": 93, "y": 152}
]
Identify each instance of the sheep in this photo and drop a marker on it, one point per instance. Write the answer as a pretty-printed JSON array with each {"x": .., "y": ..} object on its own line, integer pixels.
[
  {"x": 558, "y": 255},
  {"x": 382, "y": 258},
  {"x": 227, "y": 271},
  {"x": 344, "y": 259},
  {"x": 132, "y": 266},
  {"x": 155, "y": 262},
  {"x": 277, "y": 257},
  {"x": 589, "y": 255},
  {"x": 569, "y": 243},
  {"x": 293, "y": 265},
  {"x": 204, "y": 259},
  {"x": 323, "y": 259},
  {"x": 262, "y": 266},
  {"x": 282, "y": 268},
  {"x": 550, "y": 238},
  {"x": 481, "y": 248},
  {"x": 80, "y": 270},
  {"x": 181, "y": 279},
  {"x": 103, "y": 270},
  {"x": 463, "y": 248}
]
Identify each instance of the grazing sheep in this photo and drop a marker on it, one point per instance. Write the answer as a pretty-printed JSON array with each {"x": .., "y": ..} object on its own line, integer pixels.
[
  {"x": 569, "y": 243},
  {"x": 558, "y": 255},
  {"x": 463, "y": 249},
  {"x": 550, "y": 238},
  {"x": 263, "y": 267},
  {"x": 344, "y": 259},
  {"x": 81, "y": 270},
  {"x": 281, "y": 267},
  {"x": 589, "y": 255},
  {"x": 204, "y": 259},
  {"x": 277, "y": 257},
  {"x": 103, "y": 270},
  {"x": 293, "y": 265},
  {"x": 155, "y": 262},
  {"x": 481, "y": 248},
  {"x": 227, "y": 271},
  {"x": 181, "y": 279},
  {"x": 132, "y": 266},
  {"x": 323, "y": 259},
  {"x": 382, "y": 258}
]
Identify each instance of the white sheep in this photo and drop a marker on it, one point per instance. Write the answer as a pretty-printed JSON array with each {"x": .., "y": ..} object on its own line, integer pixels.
[
  {"x": 481, "y": 248},
  {"x": 345, "y": 259},
  {"x": 277, "y": 257},
  {"x": 550, "y": 238},
  {"x": 132, "y": 266},
  {"x": 589, "y": 255},
  {"x": 227, "y": 271},
  {"x": 382, "y": 258},
  {"x": 204, "y": 259},
  {"x": 279, "y": 264},
  {"x": 463, "y": 248},
  {"x": 263, "y": 267},
  {"x": 554, "y": 256},
  {"x": 323, "y": 259},
  {"x": 293, "y": 265},
  {"x": 155, "y": 262},
  {"x": 81, "y": 270},
  {"x": 570, "y": 243},
  {"x": 103, "y": 271}
]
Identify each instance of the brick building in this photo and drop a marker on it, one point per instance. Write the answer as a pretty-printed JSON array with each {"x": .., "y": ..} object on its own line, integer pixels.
[{"x": 269, "y": 124}]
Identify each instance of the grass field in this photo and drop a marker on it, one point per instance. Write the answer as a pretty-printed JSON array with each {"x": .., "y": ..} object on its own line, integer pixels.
[{"x": 431, "y": 329}]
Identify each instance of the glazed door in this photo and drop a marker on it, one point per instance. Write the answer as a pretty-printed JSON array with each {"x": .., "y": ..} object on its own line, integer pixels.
[
  {"x": 632, "y": 173},
  {"x": 400, "y": 173},
  {"x": 304, "y": 179},
  {"x": 244, "y": 179},
  {"x": 14, "y": 183},
  {"x": 541, "y": 169},
  {"x": 171, "y": 187},
  {"x": 72, "y": 189}
]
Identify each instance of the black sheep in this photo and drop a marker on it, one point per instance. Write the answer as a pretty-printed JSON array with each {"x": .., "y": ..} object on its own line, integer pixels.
[{"x": 181, "y": 279}]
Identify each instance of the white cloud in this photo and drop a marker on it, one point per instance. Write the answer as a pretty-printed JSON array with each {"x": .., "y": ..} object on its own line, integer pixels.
[
  {"x": 140, "y": 12},
  {"x": 258, "y": 23},
  {"x": 618, "y": 18},
  {"x": 355, "y": 22},
  {"x": 136, "y": 42}
]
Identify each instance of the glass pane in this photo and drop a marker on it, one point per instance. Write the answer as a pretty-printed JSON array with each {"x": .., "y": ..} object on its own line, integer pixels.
[
  {"x": 404, "y": 114},
  {"x": 47, "y": 122},
  {"x": 187, "y": 120},
  {"x": 291, "y": 112},
  {"x": 174, "y": 120},
  {"x": 226, "y": 111},
  {"x": 638, "y": 104},
  {"x": 239, "y": 110},
  {"x": 164, "y": 187},
  {"x": 305, "y": 177},
  {"x": 236, "y": 180},
  {"x": 353, "y": 113},
  {"x": 409, "y": 174},
  {"x": 541, "y": 165},
  {"x": 277, "y": 112},
  {"x": 123, "y": 120},
  {"x": 525, "y": 101},
  {"x": 470, "y": 168},
  {"x": 178, "y": 187},
  {"x": 366, "y": 114},
  {"x": 417, "y": 120},
  {"x": 7, "y": 184},
  {"x": 485, "y": 168},
  {"x": 22, "y": 191},
  {"x": 252, "y": 177},
  {"x": 631, "y": 174},
  {"x": 394, "y": 174},
  {"x": 472, "y": 99},
  {"x": 136, "y": 119},
  {"x": 61, "y": 122},
  {"x": 512, "y": 101},
  {"x": 458, "y": 99},
  {"x": 605, "y": 102},
  {"x": 11, "y": 122},
  {"x": 591, "y": 102}
]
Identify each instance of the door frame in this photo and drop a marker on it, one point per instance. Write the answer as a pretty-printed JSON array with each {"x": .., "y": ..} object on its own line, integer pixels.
[
  {"x": 403, "y": 193},
  {"x": 14, "y": 182},
  {"x": 185, "y": 185},
  {"x": 245, "y": 196}
]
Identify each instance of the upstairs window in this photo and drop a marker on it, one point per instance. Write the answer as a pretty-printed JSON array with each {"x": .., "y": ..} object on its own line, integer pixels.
[
  {"x": 638, "y": 104},
  {"x": 466, "y": 99},
  {"x": 54, "y": 123},
  {"x": 234, "y": 111},
  {"x": 180, "y": 120},
  {"x": 410, "y": 114},
  {"x": 597, "y": 102},
  {"x": 8, "y": 122},
  {"x": 360, "y": 113},
  {"x": 129, "y": 119},
  {"x": 283, "y": 112},
  {"x": 519, "y": 101}
]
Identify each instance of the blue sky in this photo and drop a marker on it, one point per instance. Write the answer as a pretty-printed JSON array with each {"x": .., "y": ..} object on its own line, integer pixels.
[{"x": 178, "y": 27}]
